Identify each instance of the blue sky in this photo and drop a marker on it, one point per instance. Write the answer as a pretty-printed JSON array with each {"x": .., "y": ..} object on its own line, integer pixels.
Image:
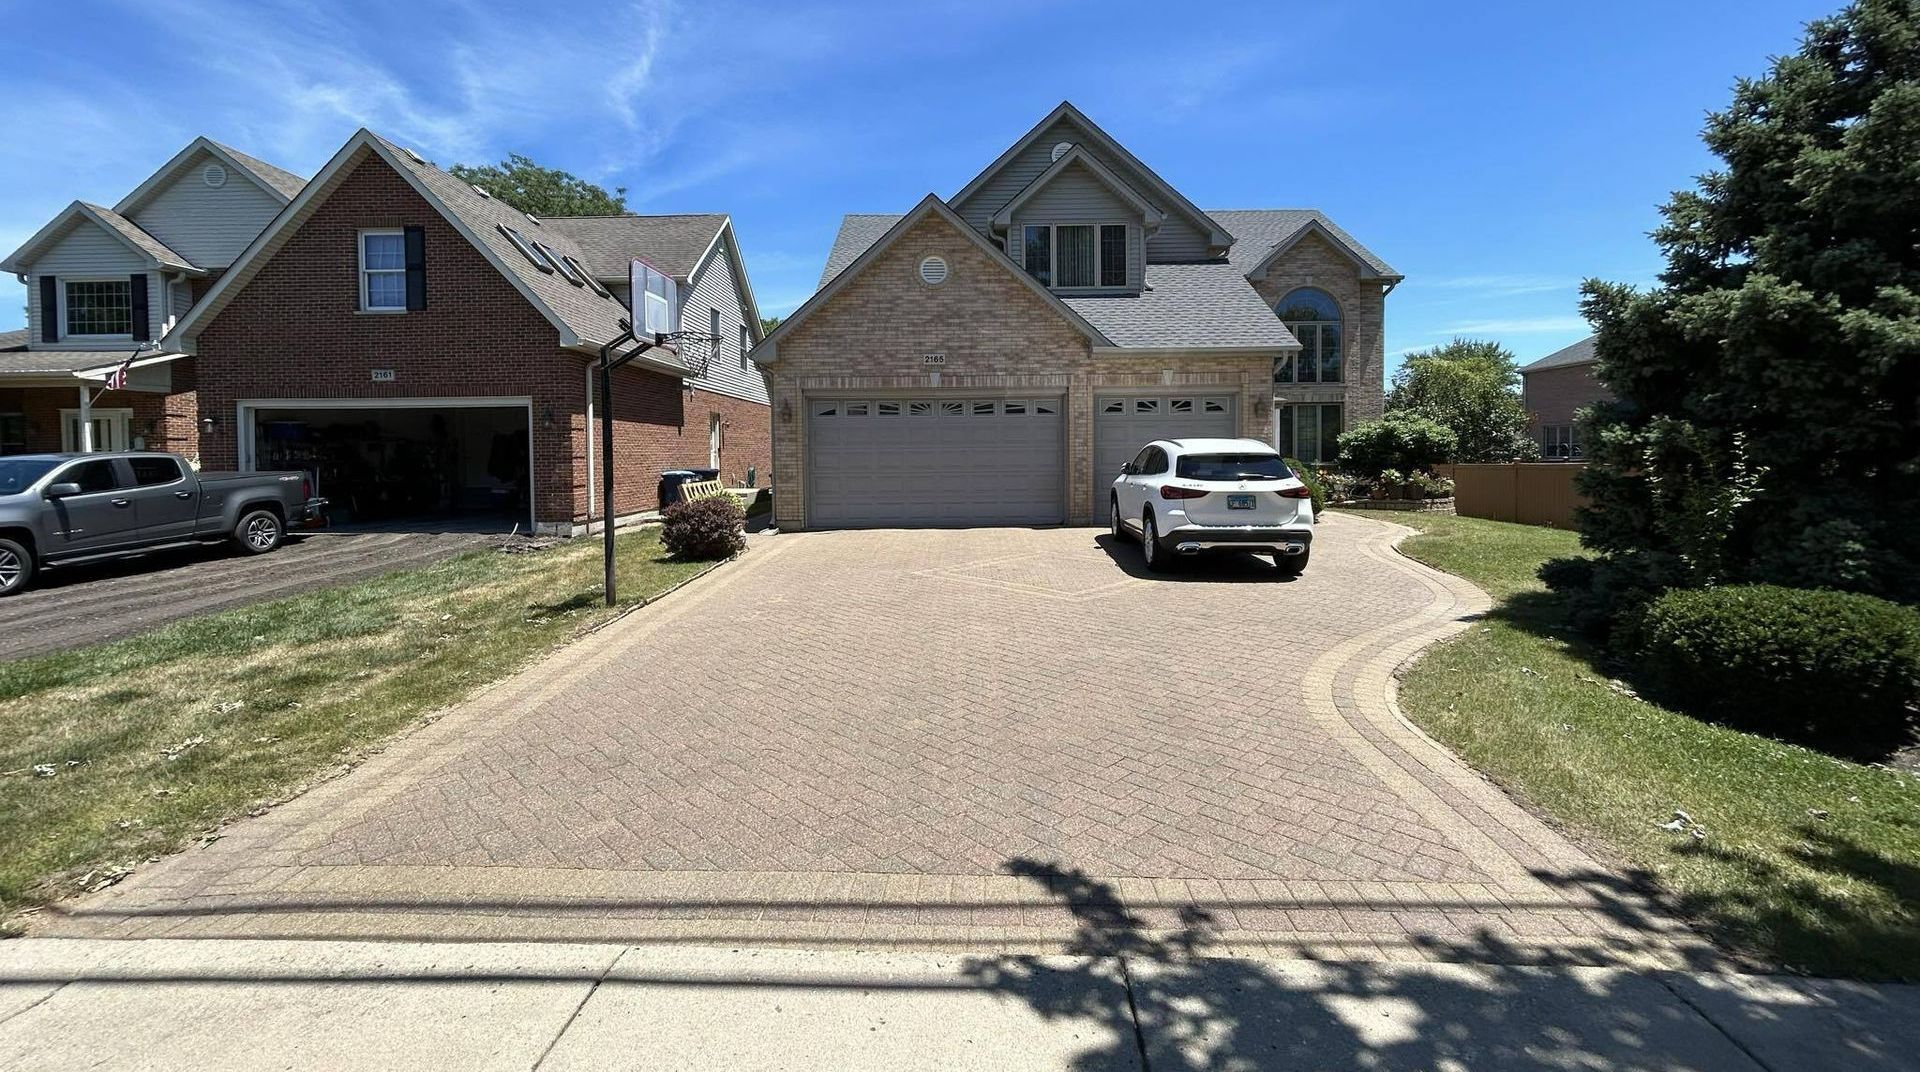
[{"x": 1495, "y": 153}]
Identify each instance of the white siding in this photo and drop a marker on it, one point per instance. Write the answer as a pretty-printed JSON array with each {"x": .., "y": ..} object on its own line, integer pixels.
[
  {"x": 1177, "y": 240},
  {"x": 1076, "y": 196},
  {"x": 207, "y": 225},
  {"x": 88, "y": 252},
  {"x": 712, "y": 287}
]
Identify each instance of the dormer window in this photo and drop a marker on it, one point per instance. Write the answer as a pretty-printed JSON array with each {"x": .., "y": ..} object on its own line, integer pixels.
[
  {"x": 99, "y": 308},
  {"x": 1076, "y": 255}
]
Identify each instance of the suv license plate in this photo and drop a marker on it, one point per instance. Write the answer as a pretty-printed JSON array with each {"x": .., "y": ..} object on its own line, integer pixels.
[{"x": 1239, "y": 502}]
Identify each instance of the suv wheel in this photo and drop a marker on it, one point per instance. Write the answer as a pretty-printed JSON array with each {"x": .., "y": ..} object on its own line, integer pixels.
[
  {"x": 16, "y": 567},
  {"x": 1291, "y": 565},
  {"x": 1119, "y": 529},
  {"x": 258, "y": 532},
  {"x": 1150, "y": 544}
]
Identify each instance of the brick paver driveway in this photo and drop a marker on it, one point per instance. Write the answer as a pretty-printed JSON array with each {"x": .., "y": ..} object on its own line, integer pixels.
[{"x": 984, "y": 738}]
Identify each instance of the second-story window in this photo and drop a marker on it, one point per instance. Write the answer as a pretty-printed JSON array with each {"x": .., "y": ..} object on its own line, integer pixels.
[
  {"x": 746, "y": 343},
  {"x": 1075, "y": 254},
  {"x": 383, "y": 271},
  {"x": 99, "y": 307},
  {"x": 1314, "y": 318}
]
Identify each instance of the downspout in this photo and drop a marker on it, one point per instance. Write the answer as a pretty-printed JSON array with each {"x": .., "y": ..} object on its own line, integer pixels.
[{"x": 590, "y": 472}]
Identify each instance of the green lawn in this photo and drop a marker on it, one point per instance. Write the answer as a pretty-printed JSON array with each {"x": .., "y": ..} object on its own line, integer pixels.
[
  {"x": 1809, "y": 862},
  {"x": 155, "y": 739}
]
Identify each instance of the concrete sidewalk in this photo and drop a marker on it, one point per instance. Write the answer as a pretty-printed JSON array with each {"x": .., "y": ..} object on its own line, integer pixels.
[{"x": 208, "y": 1005}]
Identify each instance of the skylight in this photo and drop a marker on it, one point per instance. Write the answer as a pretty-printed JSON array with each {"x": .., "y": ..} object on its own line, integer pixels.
[
  {"x": 588, "y": 276},
  {"x": 526, "y": 248},
  {"x": 560, "y": 263}
]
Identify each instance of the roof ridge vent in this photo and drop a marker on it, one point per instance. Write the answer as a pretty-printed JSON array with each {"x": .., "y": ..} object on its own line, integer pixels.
[{"x": 530, "y": 216}]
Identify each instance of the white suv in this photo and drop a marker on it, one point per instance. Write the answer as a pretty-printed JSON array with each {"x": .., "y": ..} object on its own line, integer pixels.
[{"x": 1185, "y": 496}]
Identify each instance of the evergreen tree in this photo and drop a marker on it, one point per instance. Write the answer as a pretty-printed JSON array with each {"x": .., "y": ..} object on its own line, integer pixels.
[{"x": 1768, "y": 422}]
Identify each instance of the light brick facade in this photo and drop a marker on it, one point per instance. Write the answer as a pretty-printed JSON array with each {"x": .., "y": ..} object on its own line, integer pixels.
[
  {"x": 998, "y": 336},
  {"x": 295, "y": 332},
  {"x": 1312, "y": 262}
]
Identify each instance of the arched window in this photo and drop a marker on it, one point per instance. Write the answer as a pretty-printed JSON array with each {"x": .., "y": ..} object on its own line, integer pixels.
[{"x": 1314, "y": 318}]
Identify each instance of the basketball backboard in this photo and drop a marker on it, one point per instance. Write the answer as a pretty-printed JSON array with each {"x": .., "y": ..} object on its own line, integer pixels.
[{"x": 655, "y": 298}]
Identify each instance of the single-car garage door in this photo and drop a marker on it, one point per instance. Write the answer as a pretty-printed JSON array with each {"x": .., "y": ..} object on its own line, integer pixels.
[
  {"x": 1124, "y": 424},
  {"x": 936, "y": 460}
]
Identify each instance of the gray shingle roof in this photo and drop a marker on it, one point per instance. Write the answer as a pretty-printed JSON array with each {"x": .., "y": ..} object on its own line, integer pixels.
[
  {"x": 1580, "y": 353},
  {"x": 591, "y": 317},
  {"x": 608, "y": 244},
  {"x": 1257, "y": 231},
  {"x": 277, "y": 177},
  {"x": 17, "y": 360},
  {"x": 858, "y": 232},
  {"x": 1187, "y": 305},
  {"x": 147, "y": 244}
]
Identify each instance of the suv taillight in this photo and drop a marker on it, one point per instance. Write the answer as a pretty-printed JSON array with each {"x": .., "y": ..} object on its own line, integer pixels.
[
  {"x": 1301, "y": 492},
  {"x": 306, "y": 487},
  {"x": 1169, "y": 491}
]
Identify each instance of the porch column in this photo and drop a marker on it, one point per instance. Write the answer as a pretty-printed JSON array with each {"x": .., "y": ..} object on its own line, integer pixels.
[{"x": 86, "y": 420}]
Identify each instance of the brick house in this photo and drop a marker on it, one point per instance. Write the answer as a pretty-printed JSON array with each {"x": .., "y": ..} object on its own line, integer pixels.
[
  {"x": 105, "y": 285},
  {"x": 424, "y": 348},
  {"x": 1554, "y": 390},
  {"x": 994, "y": 357}
]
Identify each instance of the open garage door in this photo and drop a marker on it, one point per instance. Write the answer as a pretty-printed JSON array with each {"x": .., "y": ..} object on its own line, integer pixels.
[
  {"x": 1124, "y": 424},
  {"x": 463, "y": 464},
  {"x": 944, "y": 459}
]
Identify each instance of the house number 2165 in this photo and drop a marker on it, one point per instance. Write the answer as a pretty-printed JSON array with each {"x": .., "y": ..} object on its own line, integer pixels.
[{"x": 933, "y": 359}]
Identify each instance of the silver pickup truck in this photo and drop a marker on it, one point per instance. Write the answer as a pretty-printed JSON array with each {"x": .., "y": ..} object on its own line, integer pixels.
[{"x": 63, "y": 508}]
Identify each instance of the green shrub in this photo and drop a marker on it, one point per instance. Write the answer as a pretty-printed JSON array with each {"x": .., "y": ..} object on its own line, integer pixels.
[
  {"x": 1400, "y": 440},
  {"x": 1313, "y": 482},
  {"x": 704, "y": 529},
  {"x": 1832, "y": 668}
]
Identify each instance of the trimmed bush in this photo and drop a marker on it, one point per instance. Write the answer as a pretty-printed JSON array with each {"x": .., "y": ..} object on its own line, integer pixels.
[
  {"x": 704, "y": 529},
  {"x": 1313, "y": 482},
  {"x": 1830, "y": 668},
  {"x": 1400, "y": 440}
]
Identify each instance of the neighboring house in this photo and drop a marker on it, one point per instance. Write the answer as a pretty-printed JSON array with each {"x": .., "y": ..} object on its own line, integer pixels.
[
  {"x": 426, "y": 349},
  {"x": 996, "y": 356},
  {"x": 1553, "y": 390},
  {"x": 104, "y": 283}
]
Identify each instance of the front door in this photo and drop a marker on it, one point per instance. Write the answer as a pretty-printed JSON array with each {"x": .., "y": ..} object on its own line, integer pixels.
[
  {"x": 109, "y": 429},
  {"x": 713, "y": 441},
  {"x": 100, "y": 517}
]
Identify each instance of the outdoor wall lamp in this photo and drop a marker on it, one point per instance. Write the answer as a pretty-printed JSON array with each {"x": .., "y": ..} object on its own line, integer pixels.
[
  {"x": 208, "y": 424},
  {"x": 546, "y": 419},
  {"x": 786, "y": 412}
]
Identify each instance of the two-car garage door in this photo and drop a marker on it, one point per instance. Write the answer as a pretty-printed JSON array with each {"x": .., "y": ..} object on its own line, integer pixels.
[{"x": 937, "y": 460}]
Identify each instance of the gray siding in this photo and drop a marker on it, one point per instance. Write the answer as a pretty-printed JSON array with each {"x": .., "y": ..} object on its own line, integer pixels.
[
  {"x": 207, "y": 225},
  {"x": 712, "y": 287},
  {"x": 1076, "y": 196},
  {"x": 1176, "y": 240},
  {"x": 87, "y": 252}
]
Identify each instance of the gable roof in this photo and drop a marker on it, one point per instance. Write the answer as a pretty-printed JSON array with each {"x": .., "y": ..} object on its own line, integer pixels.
[
  {"x": 583, "y": 318},
  {"x": 1265, "y": 233},
  {"x": 930, "y": 205},
  {"x": 1207, "y": 306},
  {"x": 135, "y": 239},
  {"x": 1101, "y": 173},
  {"x": 608, "y": 244},
  {"x": 858, "y": 232},
  {"x": 278, "y": 182},
  {"x": 1217, "y": 235},
  {"x": 1580, "y": 353}
]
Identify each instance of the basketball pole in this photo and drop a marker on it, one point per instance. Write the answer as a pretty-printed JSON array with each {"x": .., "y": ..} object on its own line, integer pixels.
[{"x": 608, "y": 362}]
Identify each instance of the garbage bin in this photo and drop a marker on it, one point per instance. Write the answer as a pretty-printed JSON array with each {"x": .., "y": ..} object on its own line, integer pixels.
[
  {"x": 705, "y": 474},
  {"x": 670, "y": 482}
]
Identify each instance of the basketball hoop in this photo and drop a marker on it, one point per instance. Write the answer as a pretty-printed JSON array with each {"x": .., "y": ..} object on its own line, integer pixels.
[{"x": 696, "y": 348}]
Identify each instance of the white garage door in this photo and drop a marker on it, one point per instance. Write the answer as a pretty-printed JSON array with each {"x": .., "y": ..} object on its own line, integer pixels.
[
  {"x": 1122, "y": 425},
  {"x": 938, "y": 460}
]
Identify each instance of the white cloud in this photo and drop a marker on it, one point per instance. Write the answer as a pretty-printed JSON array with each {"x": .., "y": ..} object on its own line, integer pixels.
[
  {"x": 1539, "y": 325},
  {"x": 1501, "y": 285}
]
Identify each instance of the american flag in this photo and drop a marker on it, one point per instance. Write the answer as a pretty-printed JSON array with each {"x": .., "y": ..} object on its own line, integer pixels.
[{"x": 118, "y": 377}]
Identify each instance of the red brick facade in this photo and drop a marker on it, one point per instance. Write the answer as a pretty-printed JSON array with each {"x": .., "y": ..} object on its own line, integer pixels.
[
  {"x": 294, "y": 331},
  {"x": 1552, "y": 396},
  {"x": 158, "y": 422}
]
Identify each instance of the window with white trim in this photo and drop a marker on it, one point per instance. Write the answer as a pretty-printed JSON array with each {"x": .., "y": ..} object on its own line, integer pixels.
[
  {"x": 1560, "y": 441},
  {"x": 1309, "y": 433},
  {"x": 1075, "y": 255},
  {"x": 383, "y": 270},
  {"x": 746, "y": 343},
  {"x": 1314, "y": 318},
  {"x": 99, "y": 308}
]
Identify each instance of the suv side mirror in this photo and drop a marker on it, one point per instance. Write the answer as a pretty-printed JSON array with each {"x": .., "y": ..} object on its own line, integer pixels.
[{"x": 62, "y": 489}]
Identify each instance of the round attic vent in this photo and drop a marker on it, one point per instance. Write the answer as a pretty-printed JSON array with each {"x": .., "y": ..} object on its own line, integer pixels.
[
  {"x": 933, "y": 271},
  {"x": 1062, "y": 149},
  {"x": 214, "y": 175}
]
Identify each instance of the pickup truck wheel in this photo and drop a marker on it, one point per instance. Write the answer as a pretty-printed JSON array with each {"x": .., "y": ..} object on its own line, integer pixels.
[
  {"x": 259, "y": 531},
  {"x": 16, "y": 567}
]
